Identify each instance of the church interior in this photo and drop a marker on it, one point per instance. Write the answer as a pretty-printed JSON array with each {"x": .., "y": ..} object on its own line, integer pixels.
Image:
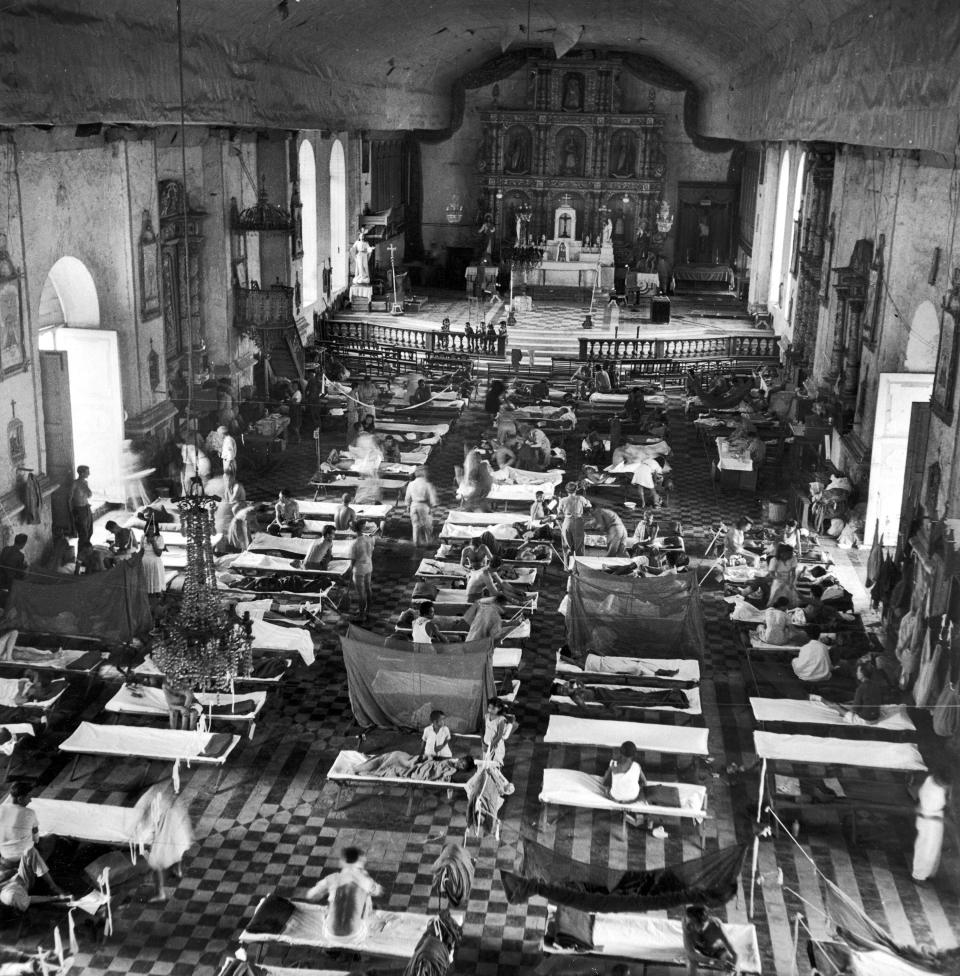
[{"x": 585, "y": 376}]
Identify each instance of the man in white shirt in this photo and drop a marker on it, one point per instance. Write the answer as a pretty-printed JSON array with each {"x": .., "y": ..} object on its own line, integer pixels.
[
  {"x": 21, "y": 865},
  {"x": 350, "y": 892},
  {"x": 539, "y": 441},
  {"x": 228, "y": 452},
  {"x": 647, "y": 476},
  {"x": 624, "y": 779},
  {"x": 813, "y": 663},
  {"x": 436, "y": 738}
]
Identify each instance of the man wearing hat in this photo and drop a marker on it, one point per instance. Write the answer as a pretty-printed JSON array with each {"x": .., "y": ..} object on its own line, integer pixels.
[{"x": 21, "y": 865}]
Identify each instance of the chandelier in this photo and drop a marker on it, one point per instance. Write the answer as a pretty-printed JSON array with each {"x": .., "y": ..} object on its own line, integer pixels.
[
  {"x": 264, "y": 216},
  {"x": 203, "y": 646}
]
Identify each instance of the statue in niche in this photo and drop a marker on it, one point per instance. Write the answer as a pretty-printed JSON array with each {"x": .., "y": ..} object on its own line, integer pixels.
[
  {"x": 564, "y": 227},
  {"x": 703, "y": 238},
  {"x": 618, "y": 224},
  {"x": 622, "y": 156},
  {"x": 562, "y": 249},
  {"x": 361, "y": 257},
  {"x": 608, "y": 231},
  {"x": 572, "y": 93},
  {"x": 517, "y": 161},
  {"x": 570, "y": 157},
  {"x": 487, "y": 231}
]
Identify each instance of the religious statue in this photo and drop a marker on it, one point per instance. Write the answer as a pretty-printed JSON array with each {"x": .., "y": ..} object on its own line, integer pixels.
[
  {"x": 562, "y": 249},
  {"x": 517, "y": 157},
  {"x": 361, "y": 256},
  {"x": 623, "y": 158},
  {"x": 571, "y": 161},
  {"x": 608, "y": 231},
  {"x": 565, "y": 225},
  {"x": 703, "y": 238},
  {"x": 572, "y": 94},
  {"x": 522, "y": 227},
  {"x": 488, "y": 231}
]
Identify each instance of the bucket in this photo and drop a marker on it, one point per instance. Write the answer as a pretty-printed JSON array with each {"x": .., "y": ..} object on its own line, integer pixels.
[{"x": 776, "y": 510}]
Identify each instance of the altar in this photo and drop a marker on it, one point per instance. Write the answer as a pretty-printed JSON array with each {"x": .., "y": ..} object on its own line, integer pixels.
[{"x": 579, "y": 275}]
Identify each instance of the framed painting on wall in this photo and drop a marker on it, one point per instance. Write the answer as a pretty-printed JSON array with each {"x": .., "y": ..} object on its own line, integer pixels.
[
  {"x": 149, "y": 258},
  {"x": 12, "y": 353},
  {"x": 945, "y": 377}
]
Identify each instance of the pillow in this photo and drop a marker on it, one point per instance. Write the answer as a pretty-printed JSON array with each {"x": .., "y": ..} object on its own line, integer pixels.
[
  {"x": 573, "y": 929},
  {"x": 272, "y": 916}
]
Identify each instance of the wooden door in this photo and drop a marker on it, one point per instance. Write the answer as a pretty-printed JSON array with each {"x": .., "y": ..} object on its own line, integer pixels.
[{"x": 57, "y": 430}]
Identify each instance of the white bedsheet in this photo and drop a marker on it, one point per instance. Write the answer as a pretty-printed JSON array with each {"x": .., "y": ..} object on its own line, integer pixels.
[
  {"x": 687, "y": 669},
  {"x": 151, "y": 701},
  {"x": 892, "y": 717},
  {"x": 661, "y": 940},
  {"x": 276, "y": 637},
  {"x": 573, "y": 788},
  {"x": 759, "y": 644},
  {"x": 502, "y": 531},
  {"x": 507, "y": 657},
  {"x": 438, "y": 568},
  {"x": 743, "y": 611},
  {"x": 101, "y": 823},
  {"x": 129, "y": 740},
  {"x": 900, "y": 756},
  {"x": 393, "y": 934},
  {"x": 345, "y": 765},
  {"x": 676, "y": 739},
  {"x": 517, "y": 476},
  {"x": 693, "y": 697},
  {"x": 446, "y": 596},
  {"x": 598, "y": 562},
  {"x": 520, "y": 493},
  {"x": 16, "y": 730},
  {"x": 275, "y": 564},
  {"x": 321, "y": 509},
  {"x": 397, "y": 427},
  {"x": 482, "y": 519}
]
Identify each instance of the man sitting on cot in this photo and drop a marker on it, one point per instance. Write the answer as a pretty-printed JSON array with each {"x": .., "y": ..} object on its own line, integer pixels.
[
  {"x": 705, "y": 942},
  {"x": 624, "y": 782},
  {"x": 286, "y": 515},
  {"x": 350, "y": 893}
]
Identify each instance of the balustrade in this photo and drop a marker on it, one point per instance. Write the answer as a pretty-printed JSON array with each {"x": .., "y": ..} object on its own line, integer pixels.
[{"x": 682, "y": 350}]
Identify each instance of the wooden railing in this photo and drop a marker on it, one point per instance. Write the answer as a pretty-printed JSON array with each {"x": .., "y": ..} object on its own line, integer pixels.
[
  {"x": 761, "y": 347},
  {"x": 374, "y": 335}
]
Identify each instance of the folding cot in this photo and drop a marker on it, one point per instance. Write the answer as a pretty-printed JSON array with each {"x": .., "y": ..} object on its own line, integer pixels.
[
  {"x": 644, "y": 939},
  {"x": 692, "y": 695},
  {"x": 97, "y": 823},
  {"x": 849, "y": 796},
  {"x": 687, "y": 669},
  {"x": 392, "y": 935},
  {"x": 315, "y": 509},
  {"x": 437, "y": 569},
  {"x": 161, "y": 745},
  {"x": 295, "y": 549},
  {"x": 149, "y": 701},
  {"x": 671, "y": 739},
  {"x": 341, "y": 483},
  {"x": 574, "y": 788},
  {"x": 893, "y": 718}
]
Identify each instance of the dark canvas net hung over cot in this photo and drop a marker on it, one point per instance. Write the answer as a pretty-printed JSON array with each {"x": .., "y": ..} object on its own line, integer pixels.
[
  {"x": 660, "y": 616},
  {"x": 708, "y": 880},
  {"x": 394, "y": 687}
]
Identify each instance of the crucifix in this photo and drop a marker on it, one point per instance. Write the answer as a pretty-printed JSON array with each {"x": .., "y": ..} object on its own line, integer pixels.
[{"x": 397, "y": 307}]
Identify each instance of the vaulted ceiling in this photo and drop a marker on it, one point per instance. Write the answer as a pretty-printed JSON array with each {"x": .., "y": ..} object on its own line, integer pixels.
[{"x": 878, "y": 72}]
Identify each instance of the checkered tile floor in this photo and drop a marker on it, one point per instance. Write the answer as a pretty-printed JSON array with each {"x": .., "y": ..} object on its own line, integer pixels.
[{"x": 272, "y": 820}]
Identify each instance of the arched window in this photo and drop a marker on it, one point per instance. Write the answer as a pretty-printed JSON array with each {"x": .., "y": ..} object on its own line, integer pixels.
[
  {"x": 779, "y": 231},
  {"x": 308, "y": 200},
  {"x": 339, "y": 255},
  {"x": 795, "y": 228}
]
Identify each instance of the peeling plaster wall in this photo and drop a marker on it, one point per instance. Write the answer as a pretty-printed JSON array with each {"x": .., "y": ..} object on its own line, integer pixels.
[
  {"x": 23, "y": 386},
  {"x": 888, "y": 71},
  {"x": 913, "y": 203}
]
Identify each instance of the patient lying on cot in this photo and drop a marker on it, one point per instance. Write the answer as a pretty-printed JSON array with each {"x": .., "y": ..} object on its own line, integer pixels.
[
  {"x": 604, "y": 695},
  {"x": 10, "y": 652},
  {"x": 403, "y": 765},
  {"x": 15, "y": 692}
]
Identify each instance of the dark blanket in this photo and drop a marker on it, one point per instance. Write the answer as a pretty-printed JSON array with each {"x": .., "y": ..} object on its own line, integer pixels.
[
  {"x": 707, "y": 880},
  {"x": 625, "y": 697}
]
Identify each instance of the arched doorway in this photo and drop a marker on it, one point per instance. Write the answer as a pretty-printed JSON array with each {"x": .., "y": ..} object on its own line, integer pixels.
[
  {"x": 339, "y": 255},
  {"x": 80, "y": 382}
]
